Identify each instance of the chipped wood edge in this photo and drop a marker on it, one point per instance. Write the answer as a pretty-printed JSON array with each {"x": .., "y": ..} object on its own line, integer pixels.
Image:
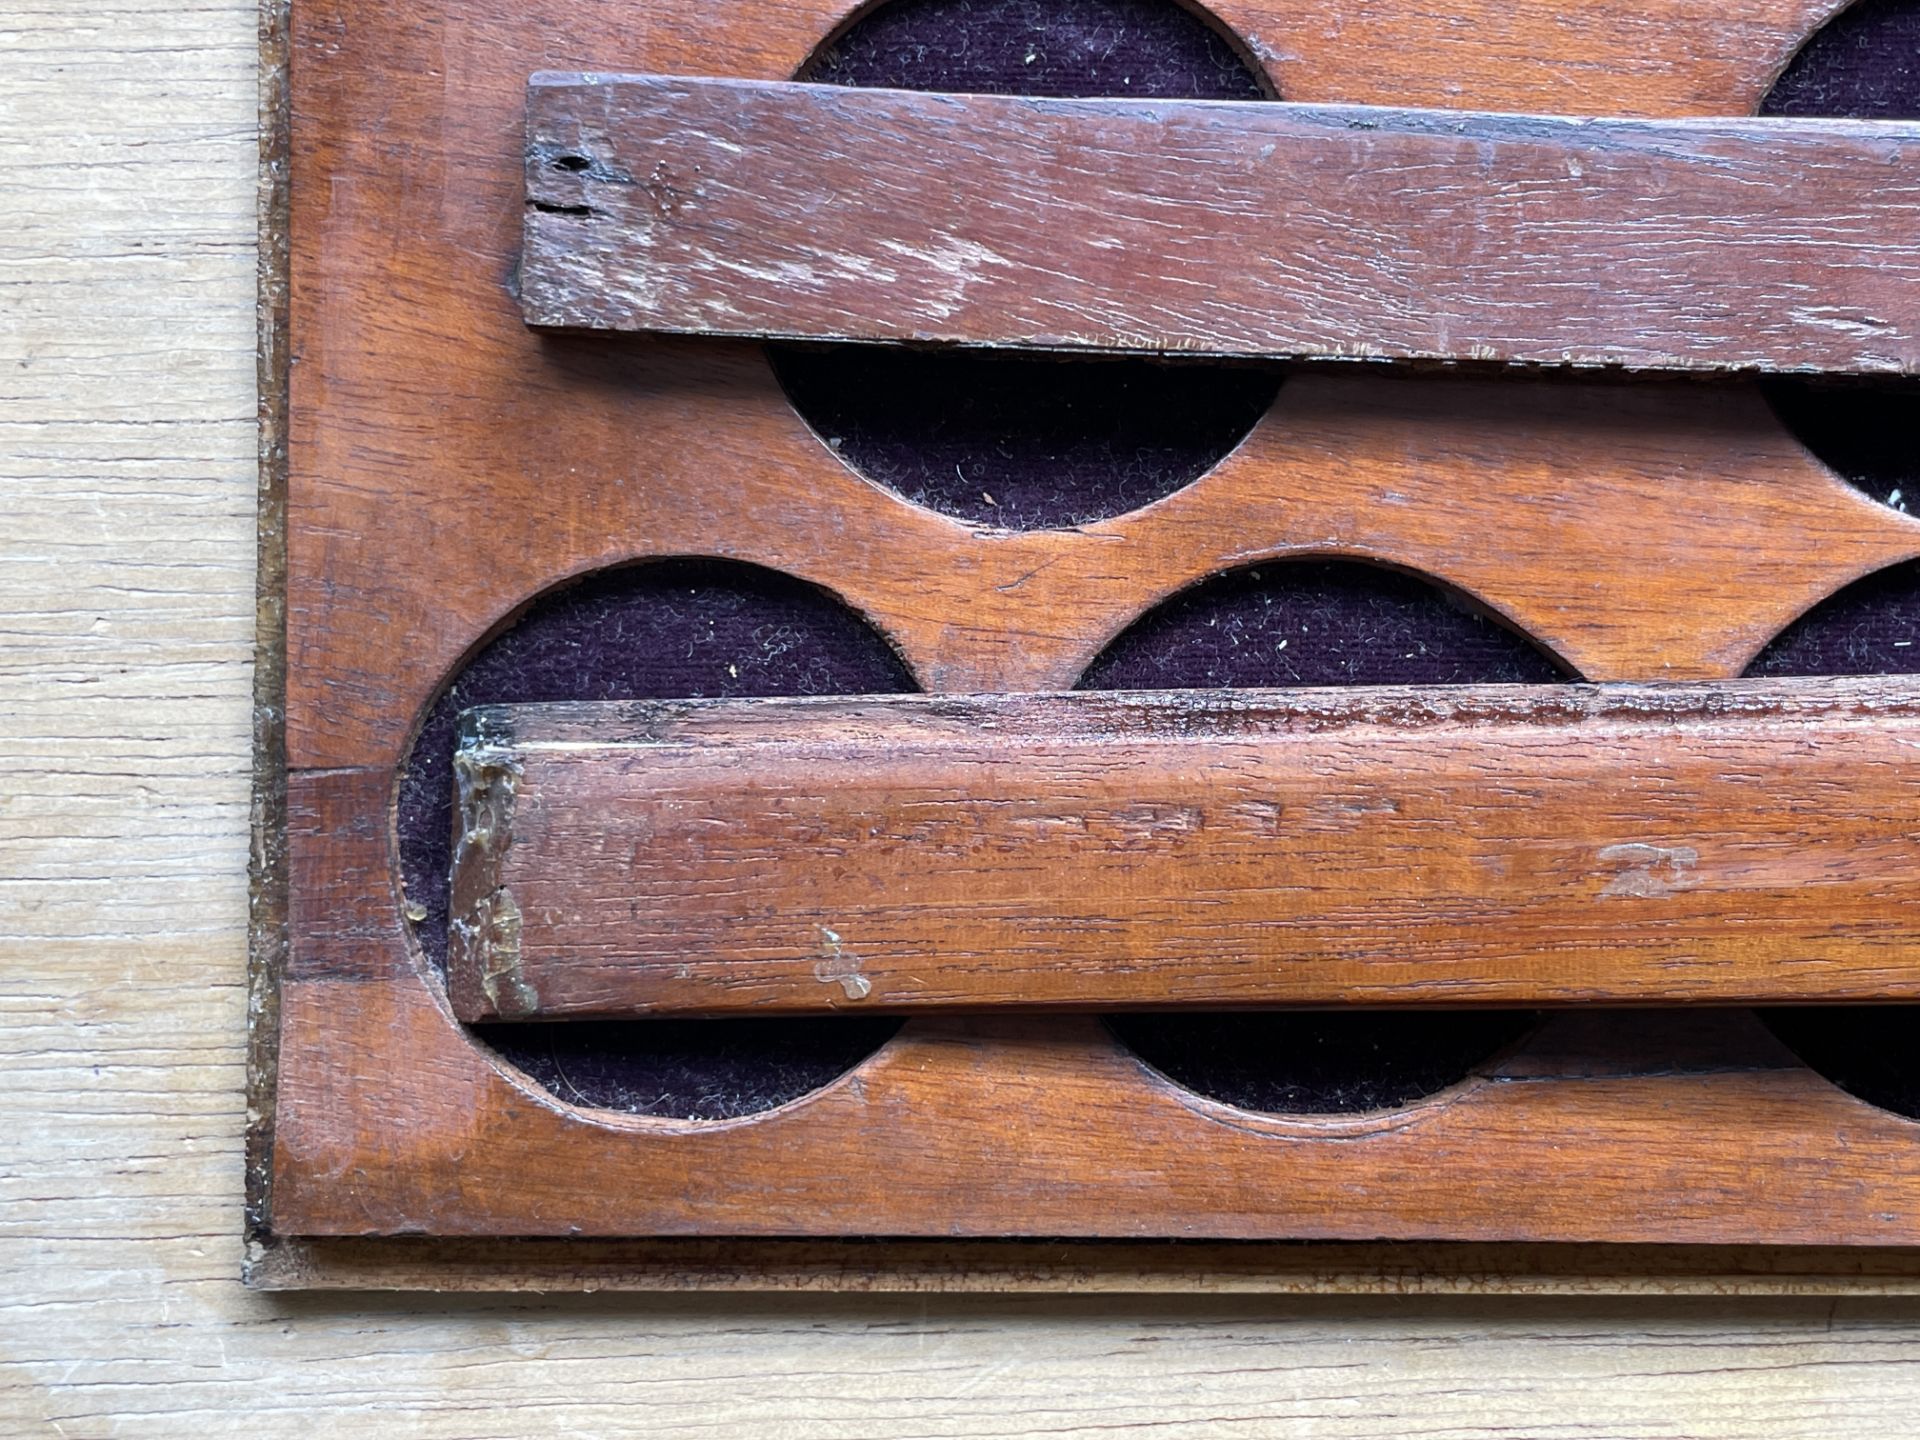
[{"x": 485, "y": 979}]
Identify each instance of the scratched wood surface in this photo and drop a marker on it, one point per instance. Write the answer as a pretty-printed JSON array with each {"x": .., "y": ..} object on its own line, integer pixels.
[
  {"x": 447, "y": 465},
  {"x": 1692, "y": 1127},
  {"x": 1687, "y": 1130},
  {"x": 409, "y": 310},
  {"x": 1251, "y": 230},
  {"x": 1501, "y": 846},
  {"x": 126, "y": 553}
]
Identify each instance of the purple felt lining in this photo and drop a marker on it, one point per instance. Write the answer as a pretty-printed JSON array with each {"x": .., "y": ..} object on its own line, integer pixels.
[
  {"x": 1316, "y": 622},
  {"x": 1864, "y": 64},
  {"x": 1319, "y": 1062},
  {"x": 1021, "y": 443},
  {"x": 1062, "y": 48},
  {"x": 1870, "y": 628}
]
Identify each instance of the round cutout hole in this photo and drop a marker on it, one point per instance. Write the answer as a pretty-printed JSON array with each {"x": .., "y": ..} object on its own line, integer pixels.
[
  {"x": 1022, "y": 442},
  {"x": 1316, "y": 622},
  {"x": 667, "y": 630},
  {"x": 1863, "y": 64},
  {"x": 1872, "y": 627},
  {"x": 1322, "y": 622}
]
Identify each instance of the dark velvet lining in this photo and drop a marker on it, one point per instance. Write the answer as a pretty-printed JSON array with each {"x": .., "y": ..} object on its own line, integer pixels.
[
  {"x": 1316, "y": 622},
  {"x": 1870, "y": 628},
  {"x": 1065, "y": 48},
  {"x": 1319, "y": 1063},
  {"x": 1018, "y": 442},
  {"x": 1864, "y": 63},
  {"x": 685, "y": 628},
  {"x": 689, "y": 1069},
  {"x": 1021, "y": 442},
  {"x": 1867, "y": 431},
  {"x": 1869, "y": 1051}
]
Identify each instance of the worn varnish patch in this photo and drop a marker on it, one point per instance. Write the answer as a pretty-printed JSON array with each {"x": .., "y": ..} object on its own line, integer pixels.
[{"x": 780, "y": 210}]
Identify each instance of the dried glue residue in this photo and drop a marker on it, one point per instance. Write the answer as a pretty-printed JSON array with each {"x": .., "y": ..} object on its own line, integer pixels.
[
  {"x": 1650, "y": 870},
  {"x": 839, "y": 965}
]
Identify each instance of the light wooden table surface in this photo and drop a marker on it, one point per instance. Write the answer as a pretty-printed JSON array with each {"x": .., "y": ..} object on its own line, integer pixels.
[{"x": 126, "y": 569}]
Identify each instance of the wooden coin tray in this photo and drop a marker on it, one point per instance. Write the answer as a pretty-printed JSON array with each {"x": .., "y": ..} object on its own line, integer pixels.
[{"x": 433, "y": 465}]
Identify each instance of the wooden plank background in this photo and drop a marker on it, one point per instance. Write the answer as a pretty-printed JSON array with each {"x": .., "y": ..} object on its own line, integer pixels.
[{"x": 126, "y": 564}]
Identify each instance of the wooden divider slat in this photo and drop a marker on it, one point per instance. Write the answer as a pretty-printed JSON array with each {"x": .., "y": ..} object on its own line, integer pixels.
[{"x": 756, "y": 209}]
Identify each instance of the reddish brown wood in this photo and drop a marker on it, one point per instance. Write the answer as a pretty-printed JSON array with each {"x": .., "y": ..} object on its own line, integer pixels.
[
  {"x": 757, "y": 210},
  {"x": 446, "y": 465},
  {"x": 1543, "y": 846},
  {"x": 1656, "y": 499},
  {"x": 1645, "y": 1126},
  {"x": 430, "y": 426},
  {"x": 1694, "y": 1130}
]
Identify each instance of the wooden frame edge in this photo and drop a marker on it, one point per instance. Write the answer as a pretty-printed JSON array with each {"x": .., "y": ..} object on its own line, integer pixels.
[{"x": 267, "y": 880}]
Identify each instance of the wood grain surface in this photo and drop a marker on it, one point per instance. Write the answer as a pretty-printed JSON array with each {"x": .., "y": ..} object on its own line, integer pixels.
[
  {"x": 126, "y": 551},
  {"x": 1250, "y": 230},
  {"x": 1419, "y": 846},
  {"x": 405, "y": 311},
  {"x": 1687, "y": 1130},
  {"x": 447, "y": 466}
]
